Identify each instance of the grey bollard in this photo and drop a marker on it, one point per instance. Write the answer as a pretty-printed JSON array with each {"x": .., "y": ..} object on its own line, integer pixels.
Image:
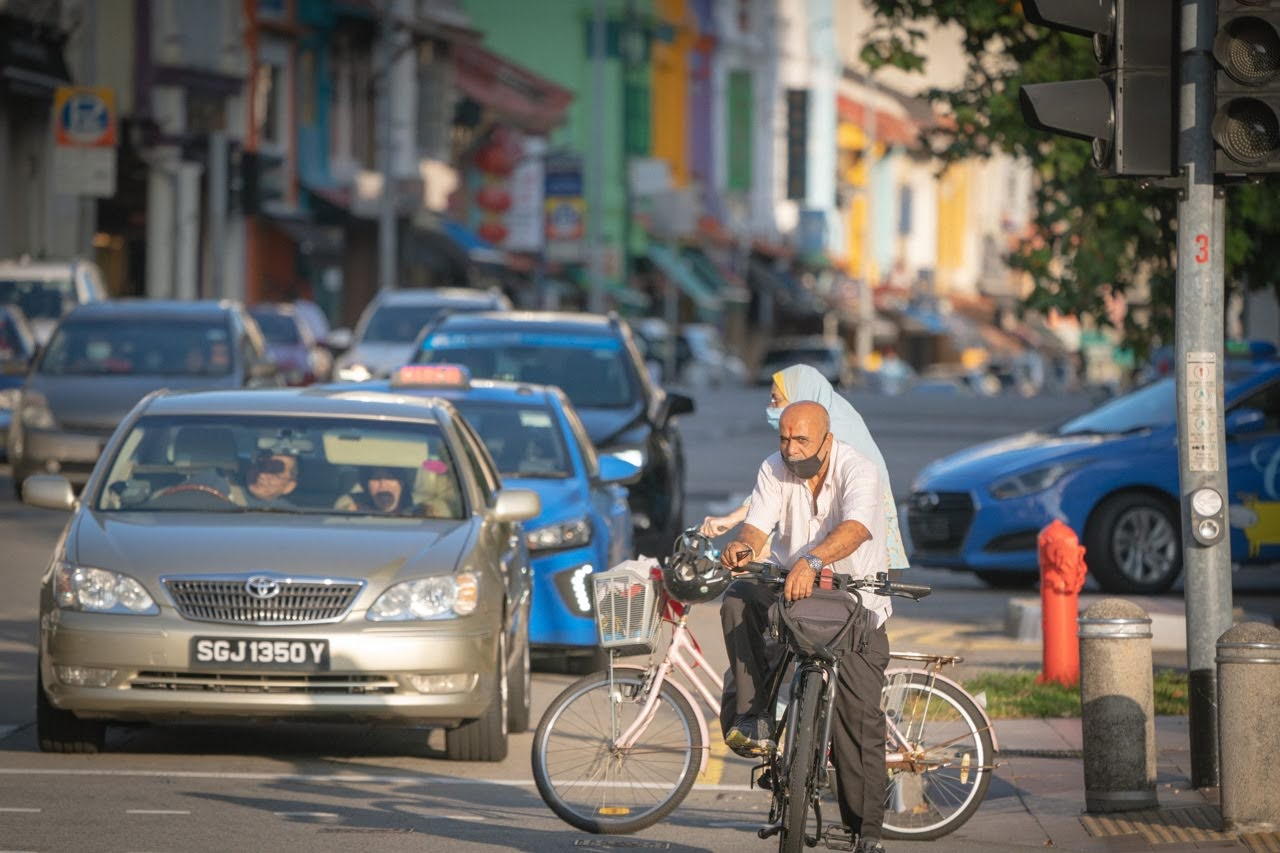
[
  {"x": 1248, "y": 738},
  {"x": 1117, "y": 699}
]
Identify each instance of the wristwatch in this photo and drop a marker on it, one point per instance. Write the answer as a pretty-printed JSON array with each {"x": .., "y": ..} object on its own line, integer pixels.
[{"x": 814, "y": 562}]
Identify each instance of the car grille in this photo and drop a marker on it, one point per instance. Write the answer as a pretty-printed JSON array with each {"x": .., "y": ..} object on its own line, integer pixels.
[
  {"x": 238, "y": 683},
  {"x": 227, "y": 600},
  {"x": 939, "y": 521}
]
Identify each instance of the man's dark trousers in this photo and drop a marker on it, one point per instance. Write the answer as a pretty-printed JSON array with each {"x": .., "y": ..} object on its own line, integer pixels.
[{"x": 857, "y": 733}]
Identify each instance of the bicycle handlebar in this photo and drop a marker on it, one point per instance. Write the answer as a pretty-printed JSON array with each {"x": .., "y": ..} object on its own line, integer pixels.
[{"x": 881, "y": 583}]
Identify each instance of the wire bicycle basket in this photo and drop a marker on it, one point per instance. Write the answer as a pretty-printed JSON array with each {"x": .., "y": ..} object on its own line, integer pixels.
[{"x": 628, "y": 601}]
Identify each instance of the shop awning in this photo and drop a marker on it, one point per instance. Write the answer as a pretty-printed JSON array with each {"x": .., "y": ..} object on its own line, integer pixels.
[
  {"x": 31, "y": 59},
  {"x": 516, "y": 94},
  {"x": 675, "y": 269}
]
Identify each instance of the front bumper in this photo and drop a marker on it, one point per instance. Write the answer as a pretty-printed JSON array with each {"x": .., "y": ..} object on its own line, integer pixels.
[
  {"x": 556, "y": 618},
  {"x": 969, "y": 532},
  {"x": 368, "y": 676}
]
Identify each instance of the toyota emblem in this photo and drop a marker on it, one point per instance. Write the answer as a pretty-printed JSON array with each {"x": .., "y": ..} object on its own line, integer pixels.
[{"x": 262, "y": 587}]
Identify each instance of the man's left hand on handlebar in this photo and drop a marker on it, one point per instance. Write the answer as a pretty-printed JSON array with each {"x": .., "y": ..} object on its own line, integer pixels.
[{"x": 800, "y": 581}]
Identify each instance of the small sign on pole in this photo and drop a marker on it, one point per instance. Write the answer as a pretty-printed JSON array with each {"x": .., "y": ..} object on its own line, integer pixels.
[{"x": 84, "y": 141}]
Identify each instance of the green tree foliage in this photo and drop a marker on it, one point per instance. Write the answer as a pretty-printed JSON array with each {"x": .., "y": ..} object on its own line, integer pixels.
[{"x": 1090, "y": 236}]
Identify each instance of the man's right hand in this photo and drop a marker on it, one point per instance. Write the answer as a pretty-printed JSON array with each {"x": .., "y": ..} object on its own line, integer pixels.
[{"x": 736, "y": 554}]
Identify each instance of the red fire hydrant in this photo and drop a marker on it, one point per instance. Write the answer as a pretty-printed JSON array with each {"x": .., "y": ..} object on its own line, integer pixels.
[{"x": 1062, "y": 572}]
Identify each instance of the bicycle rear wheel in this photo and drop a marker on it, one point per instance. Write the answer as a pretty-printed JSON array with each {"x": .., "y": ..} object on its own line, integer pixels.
[
  {"x": 940, "y": 757},
  {"x": 597, "y": 787},
  {"x": 801, "y": 759}
]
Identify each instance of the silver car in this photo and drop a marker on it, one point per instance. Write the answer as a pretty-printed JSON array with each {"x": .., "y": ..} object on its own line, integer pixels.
[{"x": 310, "y": 554}]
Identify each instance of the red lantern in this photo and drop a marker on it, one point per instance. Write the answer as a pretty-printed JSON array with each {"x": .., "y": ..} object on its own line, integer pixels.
[
  {"x": 493, "y": 231},
  {"x": 494, "y": 198}
]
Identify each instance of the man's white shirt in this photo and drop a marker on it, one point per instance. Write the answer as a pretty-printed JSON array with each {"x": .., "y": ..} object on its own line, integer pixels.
[{"x": 783, "y": 504}]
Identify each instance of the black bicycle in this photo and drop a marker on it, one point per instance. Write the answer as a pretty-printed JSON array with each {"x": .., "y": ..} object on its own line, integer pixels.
[{"x": 936, "y": 778}]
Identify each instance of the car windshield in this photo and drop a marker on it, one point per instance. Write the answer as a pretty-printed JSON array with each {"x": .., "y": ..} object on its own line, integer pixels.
[
  {"x": 277, "y": 328},
  {"x": 39, "y": 299},
  {"x": 1149, "y": 407},
  {"x": 140, "y": 347},
  {"x": 593, "y": 370},
  {"x": 807, "y": 355},
  {"x": 524, "y": 441},
  {"x": 289, "y": 464}
]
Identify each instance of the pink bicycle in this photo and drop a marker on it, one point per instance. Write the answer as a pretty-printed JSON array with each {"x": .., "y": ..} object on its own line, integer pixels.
[{"x": 619, "y": 749}]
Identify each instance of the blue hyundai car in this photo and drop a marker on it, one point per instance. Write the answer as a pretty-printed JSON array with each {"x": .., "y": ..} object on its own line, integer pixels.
[
  {"x": 1111, "y": 475},
  {"x": 537, "y": 442}
]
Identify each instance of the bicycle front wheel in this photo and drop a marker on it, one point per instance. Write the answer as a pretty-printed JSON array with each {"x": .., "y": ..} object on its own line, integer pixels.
[
  {"x": 595, "y": 785},
  {"x": 940, "y": 756},
  {"x": 800, "y": 763}
]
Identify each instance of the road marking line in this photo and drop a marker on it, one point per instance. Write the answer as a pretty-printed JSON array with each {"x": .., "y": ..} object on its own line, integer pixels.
[
  {"x": 23, "y": 811},
  {"x": 345, "y": 778},
  {"x": 156, "y": 811}
]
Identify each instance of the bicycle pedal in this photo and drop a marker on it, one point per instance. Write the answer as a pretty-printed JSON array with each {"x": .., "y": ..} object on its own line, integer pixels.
[{"x": 838, "y": 838}]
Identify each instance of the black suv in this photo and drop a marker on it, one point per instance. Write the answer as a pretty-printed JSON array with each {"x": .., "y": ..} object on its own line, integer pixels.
[{"x": 594, "y": 359}]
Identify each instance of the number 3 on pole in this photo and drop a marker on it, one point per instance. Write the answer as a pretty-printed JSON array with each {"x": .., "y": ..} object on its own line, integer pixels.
[{"x": 1202, "y": 248}]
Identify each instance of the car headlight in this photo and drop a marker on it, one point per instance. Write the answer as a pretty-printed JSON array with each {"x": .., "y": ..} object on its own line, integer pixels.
[
  {"x": 438, "y": 597},
  {"x": 637, "y": 456},
  {"x": 553, "y": 537},
  {"x": 9, "y": 398},
  {"x": 354, "y": 373},
  {"x": 1029, "y": 482},
  {"x": 100, "y": 591},
  {"x": 35, "y": 411}
]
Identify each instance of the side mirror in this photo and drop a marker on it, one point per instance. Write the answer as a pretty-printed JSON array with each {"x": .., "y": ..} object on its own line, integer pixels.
[
  {"x": 49, "y": 491},
  {"x": 517, "y": 505},
  {"x": 338, "y": 340},
  {"x": 1245, "y": 421},
  {"x": 675, "y": 405},
  {"x": 615, "y": 470}
]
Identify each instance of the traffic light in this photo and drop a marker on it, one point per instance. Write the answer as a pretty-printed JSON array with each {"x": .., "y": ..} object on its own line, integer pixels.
[
  {"x": 1246, "y": 89},
  {"x": 1128, "y": 111}
]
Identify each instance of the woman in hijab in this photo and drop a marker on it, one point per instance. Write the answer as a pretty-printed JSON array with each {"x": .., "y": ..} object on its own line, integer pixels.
[{"x": 802, "y": 382}]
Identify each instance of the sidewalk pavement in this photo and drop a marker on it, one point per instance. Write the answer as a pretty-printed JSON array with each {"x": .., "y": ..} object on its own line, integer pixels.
[{"x": 1036, "y": 800}]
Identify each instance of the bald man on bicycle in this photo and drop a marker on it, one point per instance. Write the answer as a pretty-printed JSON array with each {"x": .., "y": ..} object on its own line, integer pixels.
[{"x": 822, "y": 501}]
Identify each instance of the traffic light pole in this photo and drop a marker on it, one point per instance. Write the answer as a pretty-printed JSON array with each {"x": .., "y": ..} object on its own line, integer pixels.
[{"x": 1199, "y": 342}]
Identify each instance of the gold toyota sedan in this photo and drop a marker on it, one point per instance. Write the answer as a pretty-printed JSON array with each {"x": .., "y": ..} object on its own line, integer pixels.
[{"x": 306, "y": 554}]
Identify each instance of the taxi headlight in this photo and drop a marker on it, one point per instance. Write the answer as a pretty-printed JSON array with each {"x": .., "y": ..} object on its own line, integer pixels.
[
  {"x": 1030, "y": 482},
  {"x": 34, "y": 411},
  {"x": 553, "y": 537},
  {"x": 100, "y": 591},
  {"x": 427, "y": 598}
]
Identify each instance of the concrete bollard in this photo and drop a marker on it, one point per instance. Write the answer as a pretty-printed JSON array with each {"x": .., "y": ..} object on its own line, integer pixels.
[
  {"x": 1248, "y": 740},
  {"x": 1117, "y": 699}
]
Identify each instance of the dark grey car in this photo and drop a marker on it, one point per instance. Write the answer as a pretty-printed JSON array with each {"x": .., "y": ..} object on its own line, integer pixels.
[{"x": 105, "y": 357}]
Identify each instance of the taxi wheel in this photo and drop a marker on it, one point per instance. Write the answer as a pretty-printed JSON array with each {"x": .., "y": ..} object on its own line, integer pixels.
[
  {"x": 520, "y": 688},
  {"x": 484, "y": 739},
  {"x": 63, "y": 731}
]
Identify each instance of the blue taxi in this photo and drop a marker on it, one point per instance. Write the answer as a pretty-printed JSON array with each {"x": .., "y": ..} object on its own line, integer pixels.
[{"x": 538, "y": 442}]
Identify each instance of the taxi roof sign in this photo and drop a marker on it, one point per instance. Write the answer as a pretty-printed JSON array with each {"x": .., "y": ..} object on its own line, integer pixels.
[{"x": 431, "y": 376}]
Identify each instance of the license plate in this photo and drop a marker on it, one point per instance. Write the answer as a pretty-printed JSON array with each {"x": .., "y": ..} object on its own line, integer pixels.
[{"x": 229, "y": 652}]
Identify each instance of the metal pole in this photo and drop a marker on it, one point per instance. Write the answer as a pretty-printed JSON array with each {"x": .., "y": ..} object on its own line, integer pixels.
[
  {"x": 1199, "y": 340},
  {"x": 595, "y": 183},
  {"x": 386, "y": 202},
  {"x": 217, "y": 212}
]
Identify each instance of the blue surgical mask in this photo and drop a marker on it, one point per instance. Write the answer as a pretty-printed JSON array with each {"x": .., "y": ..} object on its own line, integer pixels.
[{"x": 774, "y": 414}]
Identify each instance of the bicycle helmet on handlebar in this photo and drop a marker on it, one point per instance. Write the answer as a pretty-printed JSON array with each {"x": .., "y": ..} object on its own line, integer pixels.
[{"x": 693, "y": 573}]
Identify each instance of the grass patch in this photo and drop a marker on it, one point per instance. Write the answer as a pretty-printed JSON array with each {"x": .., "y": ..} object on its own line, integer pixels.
[{"x": 1017, "y": 696}]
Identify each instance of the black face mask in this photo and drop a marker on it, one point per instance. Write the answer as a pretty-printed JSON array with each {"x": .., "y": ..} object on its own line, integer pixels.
[{"x": 806, "y": 468}]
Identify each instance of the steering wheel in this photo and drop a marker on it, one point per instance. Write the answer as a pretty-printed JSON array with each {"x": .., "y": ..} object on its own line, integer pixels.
[{"x": 182, "y": 488}]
